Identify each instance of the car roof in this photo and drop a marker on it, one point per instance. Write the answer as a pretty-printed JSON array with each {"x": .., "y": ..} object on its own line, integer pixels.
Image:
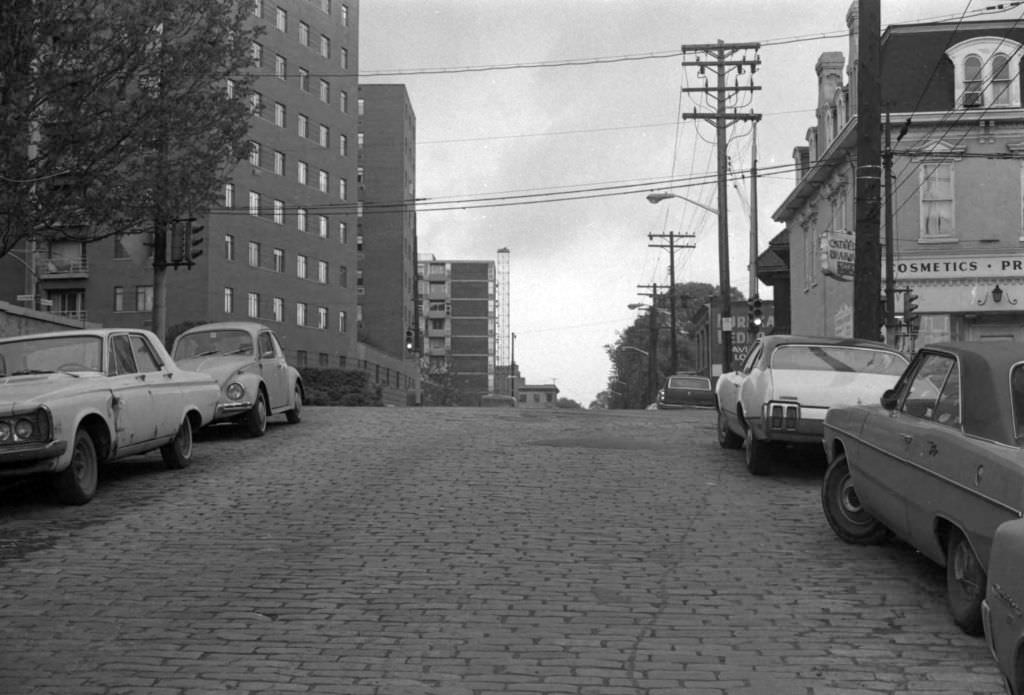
[
  {"x": 775, "y": 340},
  {"x": 985, "y": 379},
  {"x": 248, "y": 326},
  {"x": 99, "y": 332}
]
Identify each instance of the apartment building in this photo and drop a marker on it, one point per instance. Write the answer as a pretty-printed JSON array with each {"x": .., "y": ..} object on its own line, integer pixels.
[{"x": 458, "y": 325}]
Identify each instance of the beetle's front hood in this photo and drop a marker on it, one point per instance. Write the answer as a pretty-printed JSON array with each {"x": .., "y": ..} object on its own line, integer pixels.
[
  {"x": 20, "y": 393},
  {"x": 220, "y": 367},
  {"x": 829, "y": 389}
]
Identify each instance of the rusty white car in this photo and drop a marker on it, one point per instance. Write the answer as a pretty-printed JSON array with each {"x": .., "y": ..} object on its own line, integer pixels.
[
  {"x": 788, "y": 382},
  {"x": 1003, "y": 608},
  {"x": 248, "y": 362},
  {"x": 937, "y": 463},
  {"x": 72, "y": 400}
]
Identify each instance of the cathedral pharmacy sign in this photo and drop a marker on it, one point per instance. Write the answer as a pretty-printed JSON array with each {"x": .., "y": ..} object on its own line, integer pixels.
[
  {"x": 946, "y": 267},
  {"x": 838, "y": 250}
]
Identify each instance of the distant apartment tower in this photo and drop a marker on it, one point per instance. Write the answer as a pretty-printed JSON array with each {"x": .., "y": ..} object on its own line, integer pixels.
[
  {"x": 458, "y": 299},
  {"x": 280, "y": 245},
  {"x": 387, "y": 189}
]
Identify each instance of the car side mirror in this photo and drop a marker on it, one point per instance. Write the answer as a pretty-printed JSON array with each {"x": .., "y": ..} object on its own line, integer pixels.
[{"x": 888, "y": 399}]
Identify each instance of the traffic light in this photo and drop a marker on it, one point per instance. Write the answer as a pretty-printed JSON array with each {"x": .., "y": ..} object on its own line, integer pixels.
[
  {"x": 410, "y": 340},
  {"x": 195, "y": 244},
  {"x": 910, "y": 315},
  {"x": 758, "y": 313},
  {"x": 750, "y": 314}
]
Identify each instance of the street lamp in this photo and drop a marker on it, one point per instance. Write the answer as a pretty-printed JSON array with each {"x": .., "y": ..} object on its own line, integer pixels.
[{"x": 724, "y": 284}]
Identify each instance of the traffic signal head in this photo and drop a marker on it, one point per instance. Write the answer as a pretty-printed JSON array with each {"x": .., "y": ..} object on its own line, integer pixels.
[
  {"x": 910, "y": 307},
  {"x": 410, "y": 340},
  {"x": 195, "y": 244},
  {"x": 758, "y": 312}
]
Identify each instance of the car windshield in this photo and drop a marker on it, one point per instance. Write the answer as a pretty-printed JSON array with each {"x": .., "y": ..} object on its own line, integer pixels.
[
  {"x": 836, "y": 358},
  {"x": 76, "y": 353},
  {"x": 204, "y": 343},
  {"x": 689, "y": 382}
]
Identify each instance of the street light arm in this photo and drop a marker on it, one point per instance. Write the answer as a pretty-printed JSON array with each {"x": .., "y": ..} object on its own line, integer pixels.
[
  {"x": 654, "y": 198},
  {"x": 630, "y": 347}
]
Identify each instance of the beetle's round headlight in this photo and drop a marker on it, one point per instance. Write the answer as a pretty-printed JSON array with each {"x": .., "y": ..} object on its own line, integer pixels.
[
  {"x": 5, "y": 431},
  {"x": 235, "y": 391},
  {"x": 23, "y": 429}
]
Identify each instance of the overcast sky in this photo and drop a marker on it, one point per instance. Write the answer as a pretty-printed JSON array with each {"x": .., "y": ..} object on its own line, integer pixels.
[{"x": 602, "y": 133}]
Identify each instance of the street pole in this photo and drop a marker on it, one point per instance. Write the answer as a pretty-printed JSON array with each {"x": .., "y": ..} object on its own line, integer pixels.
[
  {"x": 753, "y": 214},
  {"x": 671, "y": 246},
  {"x": 652, "y": 367},
  {"x": 890, "y": 280}
]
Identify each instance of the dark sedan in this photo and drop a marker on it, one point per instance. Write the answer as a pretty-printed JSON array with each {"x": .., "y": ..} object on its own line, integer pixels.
[{"x": 686, "y": 390}]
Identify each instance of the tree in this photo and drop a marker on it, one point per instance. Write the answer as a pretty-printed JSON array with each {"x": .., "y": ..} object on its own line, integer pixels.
[
  {"x": 568, "y": 403},
  {"x": 116, "y": 117}
]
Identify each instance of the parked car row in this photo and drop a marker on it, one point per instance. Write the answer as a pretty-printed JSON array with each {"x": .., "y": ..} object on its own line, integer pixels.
[
  {"x": 73, "y": 400},
  {"x": 929, "y": 452}
]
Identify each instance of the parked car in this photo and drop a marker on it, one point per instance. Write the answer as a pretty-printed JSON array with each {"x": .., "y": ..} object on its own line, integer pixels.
[
  {"x": 1003, "y": 608},
  {"x": 72, "y": 400},
  {"x": 248, "y": 362},
  {"x": 786, "y": 385},
  {"x": 685, "y": 390},
  {"x": 937, "y": 463}
]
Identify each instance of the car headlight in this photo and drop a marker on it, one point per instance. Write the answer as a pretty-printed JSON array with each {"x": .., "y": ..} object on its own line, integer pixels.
[
  {"x": 235, "y": 391},
  {"x": 5, "y": 431},
  {"x": 24, "y": 429}
]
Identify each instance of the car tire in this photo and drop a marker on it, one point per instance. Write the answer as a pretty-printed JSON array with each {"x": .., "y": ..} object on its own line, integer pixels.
[
  {"x": 843, "y": 510},
  {"x": 727, "y": 439},
  {"x": 177, "y": 453},
  {"x": 757, "y": 453},
  {"x": 256, "y": 418},
  {"x": 295, "y": 414},
  {"x": 965, "y": 584},
  {"x": 76, "y": 484}
]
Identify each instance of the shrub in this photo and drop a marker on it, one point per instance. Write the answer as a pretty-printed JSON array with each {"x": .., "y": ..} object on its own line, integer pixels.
[{"x": 338, "y": 387}]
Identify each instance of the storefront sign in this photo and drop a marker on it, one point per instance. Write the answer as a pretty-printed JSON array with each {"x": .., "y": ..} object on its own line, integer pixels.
[
  {"x": 838, "y": 250},
  {"x": 1008, "y": 266}
]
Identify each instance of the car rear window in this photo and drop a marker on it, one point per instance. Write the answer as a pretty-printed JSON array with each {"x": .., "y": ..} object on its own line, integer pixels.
[
  {"x": 689, "y": 382},
  {"x": 836, "y": 358}
]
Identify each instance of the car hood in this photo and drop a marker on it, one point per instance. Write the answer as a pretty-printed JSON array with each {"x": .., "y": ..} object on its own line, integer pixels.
[
  {"x": 830, "y": 389},
  {"x": 220, "y": 367},
  {"x": 18, "y": 393}
]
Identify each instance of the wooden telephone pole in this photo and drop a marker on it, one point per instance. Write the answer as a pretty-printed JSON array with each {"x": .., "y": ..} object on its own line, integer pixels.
[
  {"x": 722, "y": 61},
  {"x": 672, "y": 246}
]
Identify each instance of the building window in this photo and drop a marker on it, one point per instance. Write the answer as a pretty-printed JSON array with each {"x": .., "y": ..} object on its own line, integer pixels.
[
  {"x": 229, "y": 300},
  {"x": 321, "y": 319},
  {"x": 304, "y": 79},
  {"x": 343, "y": 275},
  {"x": 279, "y": 163},
  {"x": 342, "y": 322},
  {"x": 300, "y": 266},
  {"x": 118, "y": 299},
  {"x": 254, "y": 305},
  {"x": 303, "y": 33},
  {"x": 300, "y": 313},
  {"x": 144, "y": 298},
  {"x": 301, "y": 360},
  {"x": 254, "y": 254},
  {"x": 300, "y": 219},
  {"x": 325, "y": 136},
  {"x": 280, "y": 115},
  {"x": 278, "y": 260},
  {"x": 325, "y": 47},
  {"x": 230, "y": 86},
  {"x": 279, "y": 212},
  {"x": 257, "y": 8},
  {"x": 254, "y": 203},
  {"x": 343, "y": 101},
  {"x": 303, "y": 171},
  {"x": 325, "y": 6},
  {"x": 342, "y": 233},
  {"x": 343, "y": 58},
  {"x": 936, "y": 185},
  {"x": 361, "y": 107},
  {"x": 254, "y": 153},
  {"x": 281, "y": 20},
  {"x": 321, "y": 272},
  {"x": 322, "y": 226},
  {"x": 303, "y": 126},
  {"x": 325, "y": 91},
  {"x": 322, "y": 181},
  {"x": 256, "y": 104},
  {"x": 229, "y": 247},
  {"x": 984, "y": 73},
  {"x": 281, "y": 67},
  {"x": 343, "y": 15},
  {"x": 229, "y": 195},
  {"x": 360, "y": 175},
  {"x": 360, "y": 141},
  {"x": 342, "y": 145},
  {"x": 257, "y": 54},
  {"x": 277, "y": 308}
]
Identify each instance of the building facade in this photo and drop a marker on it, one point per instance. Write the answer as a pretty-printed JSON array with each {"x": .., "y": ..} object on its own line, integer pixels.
[
  {"x": 953, "y": 92},
  {"x": 458, "y": 325}
]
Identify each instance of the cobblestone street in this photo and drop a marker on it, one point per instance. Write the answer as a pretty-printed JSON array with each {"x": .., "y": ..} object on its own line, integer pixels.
[{"x": 403, "y": 551}]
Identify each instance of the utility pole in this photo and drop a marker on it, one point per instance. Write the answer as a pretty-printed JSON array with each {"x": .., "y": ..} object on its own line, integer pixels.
[
  {"x": 867, "y": 257},
  {"x": 890, "y": 280},
  {"x": 753, "y": 294},
  {"x": 652, "y": 350},
  {"x": 723, "y": 62},
  {"x": 671, "y": 246}
]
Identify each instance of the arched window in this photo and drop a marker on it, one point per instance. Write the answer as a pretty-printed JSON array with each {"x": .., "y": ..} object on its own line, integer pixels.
[
  {"x": 986, "y": 72},
  {"x": 1001, "y": 80},
  {"x": 973, "y": 82}
]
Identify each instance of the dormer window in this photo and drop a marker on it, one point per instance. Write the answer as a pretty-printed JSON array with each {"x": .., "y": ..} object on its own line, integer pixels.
[{"x": 987, "y": 72}]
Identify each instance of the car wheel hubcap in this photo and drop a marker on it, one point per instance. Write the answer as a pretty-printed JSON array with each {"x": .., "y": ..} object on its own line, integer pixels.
[{"x": 966, "y": 570}]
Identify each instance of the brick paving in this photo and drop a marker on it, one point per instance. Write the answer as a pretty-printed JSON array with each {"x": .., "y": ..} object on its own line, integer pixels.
[{"x": 387, "y": 551}]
